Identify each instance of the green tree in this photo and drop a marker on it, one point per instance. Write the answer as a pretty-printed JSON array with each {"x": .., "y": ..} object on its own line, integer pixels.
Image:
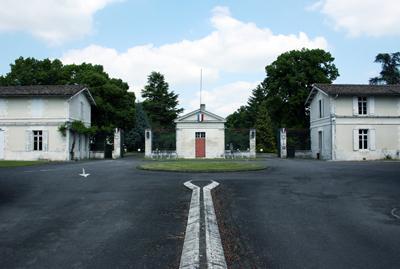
[
  {"x": 255, "y": 102},
  {"x": 390, "y": 73},
  {"x": 134, "y": 139},
  {"x": 115, "y": 104},
  {"x": 265, "y": 131},
  {"x": 159, "y": 103},
  {"x": 31, "y": 71},
  {"x": 289, "y": 81}
]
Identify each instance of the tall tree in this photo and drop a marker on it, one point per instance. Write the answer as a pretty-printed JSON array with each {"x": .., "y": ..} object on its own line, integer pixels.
[
  {"x": 160, "y": 103},
  {"x": 255, "y": 101},
  {"x": 390, "y": 73},
  {"x": 289, "y": 81},
  {"x": 115, "y": 105},
  {"x": 265, "y": 130},
  {"x": 134, "y": 139}
]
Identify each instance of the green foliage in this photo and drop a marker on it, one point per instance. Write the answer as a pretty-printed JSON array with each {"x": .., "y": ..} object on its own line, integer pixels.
[
  {"x": 279, "y": 100},
  {"x": 265, "y": 132},
  {"x": 390, "y": 73},
  {"x": 115, "y": 105},
  {"x": 134, "y": 138},
  {"x": 77, "y": 127},
  {"x": 289, "y": 81},
  {"x": 240, "y": 119},
  {"x": 31, "y": 71},
  {"x": 159, "y": 103}
]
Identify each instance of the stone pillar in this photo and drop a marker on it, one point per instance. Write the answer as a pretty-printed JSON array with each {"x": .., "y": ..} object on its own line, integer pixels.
[
  {"x": 148, "y": 143},
  {"x": 252, "y": 137},
  {"x": 117, "y": 144},
  {"x": 282, "y": 143}
]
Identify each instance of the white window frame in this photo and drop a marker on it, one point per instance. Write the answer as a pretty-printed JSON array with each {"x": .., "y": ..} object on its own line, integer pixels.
[
  {"x": 37, "y": 142},
  {"x": 200, "y": 134},
  {"x": 359, "y": 137},
  {"x": 363, "y": 139},
  {"x": 362, "y": 105}
]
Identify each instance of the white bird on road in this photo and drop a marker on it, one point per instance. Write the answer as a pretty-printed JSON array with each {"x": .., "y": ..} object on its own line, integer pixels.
[{"x": 83, "y": 173}]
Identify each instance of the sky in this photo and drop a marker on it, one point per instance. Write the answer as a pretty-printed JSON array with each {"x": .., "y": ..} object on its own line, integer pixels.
[{"x": 230, "y": 41}]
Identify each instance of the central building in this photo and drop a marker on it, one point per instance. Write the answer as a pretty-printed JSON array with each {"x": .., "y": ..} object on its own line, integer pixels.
[{"x": 200, "y": 134}]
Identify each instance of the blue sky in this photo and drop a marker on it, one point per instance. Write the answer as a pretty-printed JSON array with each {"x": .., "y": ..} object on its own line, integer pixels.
[{"x": 231, "y": 41}]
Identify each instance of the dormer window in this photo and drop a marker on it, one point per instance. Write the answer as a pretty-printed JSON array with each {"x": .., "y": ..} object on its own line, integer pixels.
[{"x": 362, "y": 105}]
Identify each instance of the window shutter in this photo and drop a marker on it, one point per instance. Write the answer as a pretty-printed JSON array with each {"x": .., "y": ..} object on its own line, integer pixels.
[
  {"x": 371, "y": 105},
  {"x": 28, "y": 140},
  {"x": 355, "y": 105},
  {"x": 45, "y": 140},
  {"x": 372, "y": 139},
  {"x": 355, "y": 139}
]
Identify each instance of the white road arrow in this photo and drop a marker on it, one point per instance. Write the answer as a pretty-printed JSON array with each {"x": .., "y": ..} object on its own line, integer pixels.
[{"x": 83, "y": 173}]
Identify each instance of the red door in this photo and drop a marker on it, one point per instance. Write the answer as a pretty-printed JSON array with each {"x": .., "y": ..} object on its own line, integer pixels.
[{"x": 200, "y": 144}]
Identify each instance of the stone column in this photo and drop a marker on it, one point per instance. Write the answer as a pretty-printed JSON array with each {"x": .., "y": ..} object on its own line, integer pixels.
[
  {"x": 252, "y": 137},
  {"x": 282, "y": 143},
  {"x": 117, "y": 144},
  {"x": 148, "y": 143}
]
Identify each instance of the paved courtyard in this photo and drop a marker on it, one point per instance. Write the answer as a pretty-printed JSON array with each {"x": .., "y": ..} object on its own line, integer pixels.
[{"x": 295, "y": 214}]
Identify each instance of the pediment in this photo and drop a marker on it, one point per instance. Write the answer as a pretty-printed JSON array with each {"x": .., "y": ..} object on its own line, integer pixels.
[{"x": 194, "y": 115}]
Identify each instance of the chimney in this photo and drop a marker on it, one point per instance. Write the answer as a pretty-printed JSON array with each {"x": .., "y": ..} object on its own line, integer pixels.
[{"x": 202, "y": 107}]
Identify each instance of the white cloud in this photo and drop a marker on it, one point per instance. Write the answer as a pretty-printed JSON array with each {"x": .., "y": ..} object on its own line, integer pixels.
[
  {"x": 362, "y": 17},
  {"x": 54, "y": 21},
  {"x": 225, "y": 99},
  {"x": 232, "y": 48}
]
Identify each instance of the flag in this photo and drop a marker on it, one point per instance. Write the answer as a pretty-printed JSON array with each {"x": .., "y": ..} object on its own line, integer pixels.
[{"x": 200, "y": 117}]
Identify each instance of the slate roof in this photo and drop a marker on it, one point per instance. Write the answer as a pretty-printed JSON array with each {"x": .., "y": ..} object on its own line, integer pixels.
[
  {"x": 58, "y": 90},
  {"x": 354, "y": 90},
  {"x": 44, "y": 90}
]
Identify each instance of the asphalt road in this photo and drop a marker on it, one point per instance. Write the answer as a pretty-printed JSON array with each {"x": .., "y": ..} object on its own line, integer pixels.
[
  {"x": 118, "y": 217},
  {"x": 296, "y": 214},
  {"x": 312, "y": 214}
]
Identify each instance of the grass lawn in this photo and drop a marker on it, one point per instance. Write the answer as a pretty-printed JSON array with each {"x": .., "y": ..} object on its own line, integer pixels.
[
  {"x": 20, "y": 163},
  {"x": 202, "y": 166}
]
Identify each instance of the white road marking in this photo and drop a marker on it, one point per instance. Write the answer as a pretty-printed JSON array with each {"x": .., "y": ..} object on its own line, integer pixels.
[
  {"x": 394, "y": 214},
  {"x": 214, "y": 250},
  {"x": 41, "y": 170},
  {"x": 191, "y": 253},
  {"x": 83, "y": 173}
]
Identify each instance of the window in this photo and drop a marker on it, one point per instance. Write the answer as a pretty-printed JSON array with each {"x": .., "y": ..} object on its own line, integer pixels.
[
  {"x": 362, "y": 105},
  {"x": 200, "y": 134},
  {"x": 321, "y": 108},
  {"x": 363, "y": 138},
  {"x": 82, "y": 112},
  {"x": 37, "y": 140}
]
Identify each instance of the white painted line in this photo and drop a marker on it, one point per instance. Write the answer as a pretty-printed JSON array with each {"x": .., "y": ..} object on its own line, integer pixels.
[
  {"x": 84, "y": 174},
  {"x": 191, "y": 253},
  {"x": 214, "y": 250},
  {"x": 393, "y": 212}
]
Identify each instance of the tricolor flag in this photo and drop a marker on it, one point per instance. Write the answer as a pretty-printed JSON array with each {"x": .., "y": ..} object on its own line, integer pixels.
[{"x": 200, "y": 117}]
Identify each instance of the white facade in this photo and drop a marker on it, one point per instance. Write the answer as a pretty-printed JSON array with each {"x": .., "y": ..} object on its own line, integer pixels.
[
  {"x": 209, "y": 125},
  {"x": 29, "y": 126},
  {"x": 355, "y": 126}
]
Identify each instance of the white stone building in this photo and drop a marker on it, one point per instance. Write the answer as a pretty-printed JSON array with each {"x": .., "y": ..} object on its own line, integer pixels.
[
  {"x": 354, "y": 122},
  {"x": 200, "y": 134},
  {"x": 31, "y": 115}
]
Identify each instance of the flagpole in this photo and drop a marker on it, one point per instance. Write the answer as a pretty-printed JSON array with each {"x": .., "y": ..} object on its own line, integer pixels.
[{"x": 201, "y": 82}]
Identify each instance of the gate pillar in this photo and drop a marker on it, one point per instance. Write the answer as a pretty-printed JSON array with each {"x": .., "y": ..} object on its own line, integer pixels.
[
  {"x": 252, "y": 137},
  {"x": 148, "y": 136},
  {"x": 282, "y": 143}
]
